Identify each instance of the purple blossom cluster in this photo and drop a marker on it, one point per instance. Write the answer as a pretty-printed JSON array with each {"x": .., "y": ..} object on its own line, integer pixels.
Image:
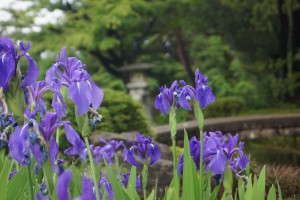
[
  {"x": 106, "y": 152},
  {"x": 218, "y": 153},
  {"x": 180, "y": 94},
  {"x": 125, "y": 180},
  {"x": 36, "y": 136},
  {"x": 70, "y": 72},
  {"x": 88, "y": 189},
  {"x": 144, "y": 149}
]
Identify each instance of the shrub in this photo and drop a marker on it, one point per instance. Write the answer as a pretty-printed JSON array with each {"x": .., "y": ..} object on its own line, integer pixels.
[
  {"x": 121, "y": 113},
  {"x": 225, "y": 106}
]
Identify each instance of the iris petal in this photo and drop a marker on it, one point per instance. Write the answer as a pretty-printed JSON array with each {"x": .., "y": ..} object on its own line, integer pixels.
[
  {"x": 72, "y": 136},
  {"x": 32, "y": 72},
  {"x": 97, "y": 96},
  {"x": 7, "y": 61},
  {"x": 53, "y": 154},
  {"x": 154, "y": 154},
  {"x": 63, "y": 185},
  {"x": 130, "y": 157},
  {"x": 79, "y": 93}
]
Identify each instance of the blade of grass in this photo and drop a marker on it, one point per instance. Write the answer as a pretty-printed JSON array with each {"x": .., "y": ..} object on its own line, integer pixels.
[
  {"x": 272, "y": 193},
  {"x": 279, "y": 191},
  {"x": 116, "y": 185},
  {"x": 131, "y": 187},
  {"x": 248, "y": 194},
  {"x": 188, "y": 183},
  {"x": 4, "y": 177},
  {"x": 214, "y": 194},
  {"x": 261, "y": 183},
  {"x": 18, "y": 186},
  {"x": 241, "y": 189}
]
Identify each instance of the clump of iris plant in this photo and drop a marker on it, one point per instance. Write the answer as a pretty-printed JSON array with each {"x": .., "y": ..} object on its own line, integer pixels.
[
  {"x": 106, "y": 152},
  {"x": 144, "y": 150},
  {"x": 125, "y": 179},
  {"x": 88, "y": 189},
  {"x": 35, "y": 130},
  {"x": 218, "y": 153},
  {"x": 70, "y": 72},
  {"x": 147, "y": 152},
  {"x": 181, "y": 94}
]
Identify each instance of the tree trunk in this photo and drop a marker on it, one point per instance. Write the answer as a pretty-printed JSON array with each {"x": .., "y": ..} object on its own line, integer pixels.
[{"x": 182, "y": 54}]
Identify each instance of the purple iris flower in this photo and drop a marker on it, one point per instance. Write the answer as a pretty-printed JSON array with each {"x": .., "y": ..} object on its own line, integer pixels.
[
  {"x": 186, "y": 93},
  {"x": 78, "y": 146},
  {"x": 145, "y": 149},
  {"x": 33, "y": 137},
  {"x": 38, "y": 196},
  {"x": 62, "y": 188},
  {"x": 53, "y": 154},
  {"x": 33, "y": 97},
  {"x": 19, "y": 149},
  {"x": 213, "y": 153},
  {"x": 107, "y": 186},
  {"x": 49, "y": 124},
  {"x": 7, "y": 120},
  {"x": 195, "y": 154},
  {"x": 165, "y": 99},
  {"x": 87, "y": 189},
  {"x": 27, "y": 139},
  {"x": 204, "y": 94},
  {"x": 218, "y": 153},
  {"x": 110, "y": 148},
  {"x": 9, "y": 60},
  {"x": 239, "y": 164},
  {"x": 180, "y": 96},
  {"x": 71, "y": 72},
  {"x": 60, "y": 166},
  {"x": 125, "y": 180},
  {"x": 106, "y": 152}
]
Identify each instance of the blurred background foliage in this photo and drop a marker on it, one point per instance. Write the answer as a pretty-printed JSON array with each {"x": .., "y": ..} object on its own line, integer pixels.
[{"x": 250, "y": 50}]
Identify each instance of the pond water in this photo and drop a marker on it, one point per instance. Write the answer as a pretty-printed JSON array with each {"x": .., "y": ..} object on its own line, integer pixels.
[{"x": 281, "y": 150}]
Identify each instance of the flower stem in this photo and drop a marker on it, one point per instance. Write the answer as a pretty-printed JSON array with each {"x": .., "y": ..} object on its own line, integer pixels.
[
  {"x": 57, "y": 142},
  {"x": 173, "y": 124},
  {"x": 145, "y": 179},
  {"x": 30, "y": 183},
  {"x": 174, "y": 155},
  {"x": 92, "y": 164},
  {"x": 200, "y": 120}
]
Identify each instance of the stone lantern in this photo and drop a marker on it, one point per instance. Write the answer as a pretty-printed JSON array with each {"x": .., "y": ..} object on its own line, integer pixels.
[{"x": 135, "y": 77}]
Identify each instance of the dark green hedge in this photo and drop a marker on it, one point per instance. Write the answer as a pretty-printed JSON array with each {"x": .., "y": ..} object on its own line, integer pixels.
[{"x": 224, "y": 106}]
